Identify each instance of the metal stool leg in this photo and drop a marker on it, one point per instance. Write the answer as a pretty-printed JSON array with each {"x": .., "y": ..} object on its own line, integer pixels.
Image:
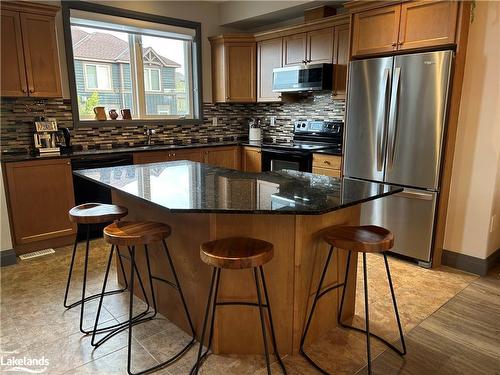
[
  {"x": 271, "y": 325},
  {"x": 212, "y": 295},
  {"x": 70, "y": 273},
  {"x": 130, "y": 308},
  {"x": 85, "y": 267},
  {"x": 262, "y": 322},
  {"x": 395, "y": 306},
  {"x": 367, "y": 316}
]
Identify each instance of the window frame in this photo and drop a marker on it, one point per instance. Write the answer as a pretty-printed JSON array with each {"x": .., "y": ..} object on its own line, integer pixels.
[
  {"x": 96, "y": 64},
  {"x": 195, "y": 55},
  {"x": 159, "y": 81}
]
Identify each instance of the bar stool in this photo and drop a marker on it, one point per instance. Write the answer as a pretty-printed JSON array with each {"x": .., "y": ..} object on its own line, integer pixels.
[
  {"x": 237, "y": 253},
  {"x": 360, "y": 239},
  {"x": 132, "y": 234},
  {"x": 86, "y": 215}
]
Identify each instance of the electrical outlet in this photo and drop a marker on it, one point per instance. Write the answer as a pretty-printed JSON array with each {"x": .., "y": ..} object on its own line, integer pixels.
[
  {"x": 214, "y": 121},
  {"x": 272, "y": 120},
  {"x": 493, "y": 223}
]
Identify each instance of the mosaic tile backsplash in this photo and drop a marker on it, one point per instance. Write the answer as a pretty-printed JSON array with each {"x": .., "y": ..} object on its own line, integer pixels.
[{"x": 18, "y": 114}]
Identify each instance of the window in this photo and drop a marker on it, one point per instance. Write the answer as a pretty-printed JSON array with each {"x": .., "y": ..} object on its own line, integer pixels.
[
  {"x": 97, "y": 77},
  {"x": 132, "y": 61},
  {"x": 152, "y": 79}
]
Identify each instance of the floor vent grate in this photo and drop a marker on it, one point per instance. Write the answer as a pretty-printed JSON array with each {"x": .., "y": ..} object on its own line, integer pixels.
[{"x": 34, "y": 254}]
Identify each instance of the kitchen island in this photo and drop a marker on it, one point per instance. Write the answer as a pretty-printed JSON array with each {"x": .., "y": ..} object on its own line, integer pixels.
[{"x": 288, "y": 208}]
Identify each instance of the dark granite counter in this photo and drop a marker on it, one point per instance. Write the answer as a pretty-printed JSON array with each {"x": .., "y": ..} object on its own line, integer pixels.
[
  {"x": 185, "y": 186},
  {"x": 7, "y": 158}
]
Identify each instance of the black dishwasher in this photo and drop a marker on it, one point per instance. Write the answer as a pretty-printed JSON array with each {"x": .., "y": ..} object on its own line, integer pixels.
[{"x": 90, "y": 192}]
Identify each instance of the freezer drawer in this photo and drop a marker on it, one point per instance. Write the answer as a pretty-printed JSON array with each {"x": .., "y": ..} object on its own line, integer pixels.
[{"x": 410, "y": 216}]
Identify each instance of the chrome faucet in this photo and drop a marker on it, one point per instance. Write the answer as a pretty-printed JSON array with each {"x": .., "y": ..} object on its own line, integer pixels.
[{"x": 149, "y": 135}]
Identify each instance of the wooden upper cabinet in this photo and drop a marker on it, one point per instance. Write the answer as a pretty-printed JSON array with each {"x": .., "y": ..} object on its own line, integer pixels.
[
  {"x": 375, "y": 31},
  {"x": 427, "y": 24},
  {"x": 12, "y": 58},
  {"x": 340, "y": 60},
  {"x": 233, "y": 69},
  {"x": 41, "y": 56},
  {"x": 269, "y": 56},
  {"x": 294, "y": 49},
  {"x": 30, "y": 60},
  {"x": 40, "y": 195},
  {"x": 320, "y": 46}
]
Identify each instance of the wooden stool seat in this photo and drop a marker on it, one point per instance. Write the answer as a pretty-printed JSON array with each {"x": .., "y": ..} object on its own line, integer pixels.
[
  {"x": 133, "y": 233},
  {"x": 236, "y": 253},
  {"x": 363, "y": 238},
  {"x": 96, "y": 213}
]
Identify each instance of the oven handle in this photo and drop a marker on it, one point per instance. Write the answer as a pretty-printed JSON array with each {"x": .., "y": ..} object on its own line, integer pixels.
[{"x": 285, "y": 152}]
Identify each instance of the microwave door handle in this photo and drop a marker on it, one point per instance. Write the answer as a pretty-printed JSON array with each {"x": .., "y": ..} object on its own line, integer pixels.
[
  {"x": 393, "y": 119},
  {"x": 381, "y": 129}
]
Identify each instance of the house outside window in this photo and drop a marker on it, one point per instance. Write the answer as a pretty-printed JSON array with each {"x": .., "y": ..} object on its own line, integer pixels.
[
  {"x": 98, "y": 77},
  {"x": 152, "y": 69}
]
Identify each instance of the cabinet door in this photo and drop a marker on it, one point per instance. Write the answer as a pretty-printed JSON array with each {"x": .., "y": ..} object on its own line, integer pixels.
[
  {"x": 269, "y": 56},
  {"x": 190, "y": 154},
  {"x": 427, "y": 24},
  {"x": 375, "y": 31},
  {"x": 12, "y": 58},
  {"x": 151, "y": 157},
  {"x": 326, "y": 172},
  {"x": 41, "y": 56},
  {"x": 240, "y": 69},
  {"x": 40, "y": 196},
  {"x": 224, "y": 157},
  {"x": 252, "y": 159},
  {"x": 294, "y": 49},
  {"x": 340, "y": 60},
  {"x": 320, "y": 46}
]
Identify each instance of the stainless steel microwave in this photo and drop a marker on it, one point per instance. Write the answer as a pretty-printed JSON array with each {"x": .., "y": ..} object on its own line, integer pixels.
[{"x": 313, "y": 77}]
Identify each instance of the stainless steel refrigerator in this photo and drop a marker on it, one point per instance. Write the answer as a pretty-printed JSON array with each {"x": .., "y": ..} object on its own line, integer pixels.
[{"x": 395, "y": 124}]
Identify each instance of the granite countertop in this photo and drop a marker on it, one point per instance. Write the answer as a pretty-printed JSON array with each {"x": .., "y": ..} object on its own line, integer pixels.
[
  {"x": 6, "y": 158},
  {"x": 185, "y": 186}
]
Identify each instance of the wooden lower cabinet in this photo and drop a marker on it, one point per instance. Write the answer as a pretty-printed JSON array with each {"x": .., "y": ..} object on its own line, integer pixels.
[
  {"x": 40, "y": 194},
  {"x": 327, "y": 165},
  {"x": 225, "y": 157},
  {"x": 251, "y": 159},
  {"x": 159, "y": 156}
]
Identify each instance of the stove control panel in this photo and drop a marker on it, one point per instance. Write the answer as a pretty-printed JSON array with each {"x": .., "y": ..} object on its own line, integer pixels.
[{"x": 311, "y": 127}]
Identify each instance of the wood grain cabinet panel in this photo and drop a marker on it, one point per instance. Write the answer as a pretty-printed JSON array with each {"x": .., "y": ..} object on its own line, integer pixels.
[
  {"x": 224, "y": 157},
  {"x": 168, "y": 155},
  {"x": 340, "y": 60},
  {"x": 294, "y": 49},
  {"x": 375, "y": 31},
  {"x": 320, "y": 46},
  {"x": 40, "y": 195},
  {"x": 234, "y": 69},
  {"x": 251, "y": 159},
  {"x": 12, "y": 58},
  {"x": 427, "y": 24},
  {"x": 41, "y": 57},
  {"x": 327, "y": 165},
  {"x": 327, "y": 172},
  {"x": 269, "y": 56}
]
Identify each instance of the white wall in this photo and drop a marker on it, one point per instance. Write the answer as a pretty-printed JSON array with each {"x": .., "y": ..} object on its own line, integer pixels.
[
  {"x": 205, "y": 12},
  {"x": 475, "y": 185}
]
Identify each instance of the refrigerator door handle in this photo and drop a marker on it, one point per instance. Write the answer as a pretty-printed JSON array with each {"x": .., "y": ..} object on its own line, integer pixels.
[
  {"x": 393, "y": 119},
  {"x": 415, "y": 195},
  {"x": 381, "y": 129}
]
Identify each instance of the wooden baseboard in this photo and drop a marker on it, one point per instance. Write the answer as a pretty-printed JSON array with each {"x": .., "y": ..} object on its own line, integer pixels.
[
  {"x": 7, "y": 257},
  {"x": 469, "y": 263},
  {"x": 40, "y": 245}
]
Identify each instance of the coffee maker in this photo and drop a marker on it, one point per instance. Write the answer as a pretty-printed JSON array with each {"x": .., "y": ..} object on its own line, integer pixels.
[{"x": 46, "y": 141}]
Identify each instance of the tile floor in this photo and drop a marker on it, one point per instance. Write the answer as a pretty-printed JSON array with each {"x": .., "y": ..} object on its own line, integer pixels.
[{"x": 34, "y": 324}]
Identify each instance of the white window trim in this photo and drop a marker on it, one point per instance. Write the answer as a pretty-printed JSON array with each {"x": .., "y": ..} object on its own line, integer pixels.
[
  {"x": 110, "y": 76},
  {"x": 159, "y": 80}
]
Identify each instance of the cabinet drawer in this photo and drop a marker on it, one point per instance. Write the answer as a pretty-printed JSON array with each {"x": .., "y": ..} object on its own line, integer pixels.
[
  {"x": 327, "y": 161},
  {"x": 327, "y": 172}
]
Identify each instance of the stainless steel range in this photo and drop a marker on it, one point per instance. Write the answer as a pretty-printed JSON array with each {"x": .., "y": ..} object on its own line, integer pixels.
[{"x": 308, "y": 137}]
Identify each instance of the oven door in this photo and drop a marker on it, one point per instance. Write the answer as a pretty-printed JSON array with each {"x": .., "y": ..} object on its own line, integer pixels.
[{"x": 276, "y": 160}]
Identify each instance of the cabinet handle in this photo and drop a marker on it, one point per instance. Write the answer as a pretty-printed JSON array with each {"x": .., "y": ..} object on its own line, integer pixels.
[
  {"x": 173, "y": 154},
  {"x": 25, "y": 91},
  {"x": 32, "y": 91},
  {"x": 400, "y": 43},
  {"x": 309, "y": 60},
  {"x": 394, "y": 44},
  {"x": 304, "y": 61},
  {"x": 227, "y": 97},
  {"x": 326, "y": 162}
]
